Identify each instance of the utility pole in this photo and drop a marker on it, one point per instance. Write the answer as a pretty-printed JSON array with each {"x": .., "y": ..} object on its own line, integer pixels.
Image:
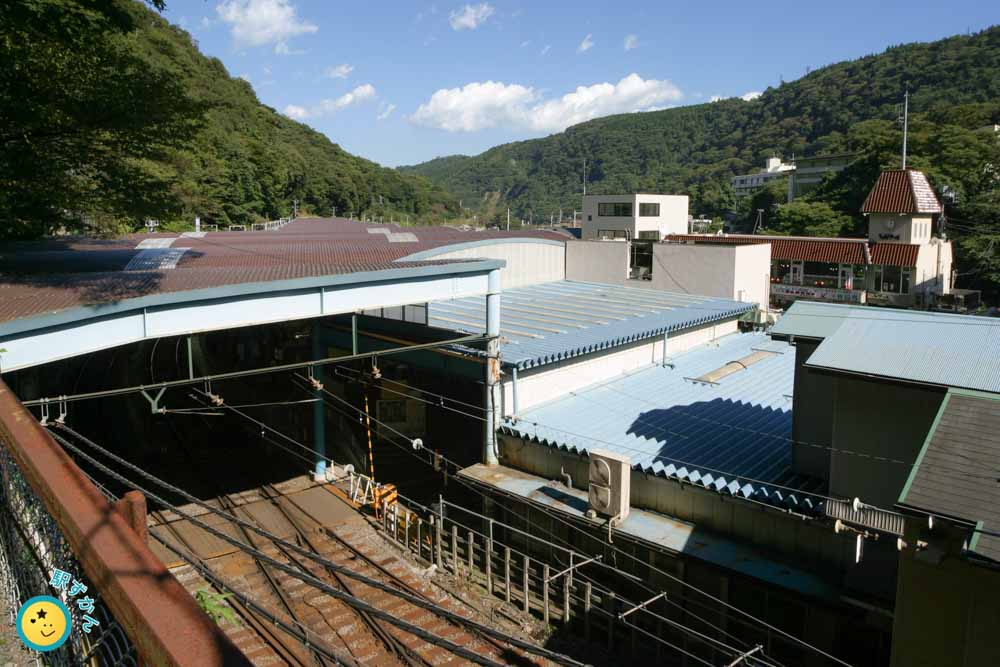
[
  {"x": 584, "y": 177},
  {"x": 295, "y": 208},
  {"x": 508, "y": 218},
  {"x": 758, "y": 226},
  {"x": 906, "y": 122}
]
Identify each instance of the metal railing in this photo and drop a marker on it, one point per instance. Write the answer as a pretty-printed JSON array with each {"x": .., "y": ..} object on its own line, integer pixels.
[
  {"x": 54, "y": 521},
  {"x": 32, "y": 547},
  {"x": 531, "y": 585}
]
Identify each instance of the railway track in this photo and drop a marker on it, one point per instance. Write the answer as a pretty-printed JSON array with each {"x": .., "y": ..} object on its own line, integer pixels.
[{"x": 329, "y": 626}]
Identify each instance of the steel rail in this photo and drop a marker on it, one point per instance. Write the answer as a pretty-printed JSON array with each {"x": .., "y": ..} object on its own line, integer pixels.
[{"x": 309, "y": 578}]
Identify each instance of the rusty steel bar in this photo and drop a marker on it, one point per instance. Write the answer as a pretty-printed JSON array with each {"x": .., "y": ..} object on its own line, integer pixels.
[{"x": 159, "y": 616}]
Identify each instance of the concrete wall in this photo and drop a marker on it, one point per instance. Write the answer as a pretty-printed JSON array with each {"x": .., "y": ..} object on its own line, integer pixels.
[
  {"x": 597, "y": 261},
  {"x": 876, "y": 419},
  {"x": 884, "y": 227},
  {"x": 556, "y": 380},
  {"x": 933, "y": 271},
  {"x": 742, "y": 273},
  {"x": 808, "y": 542},
  {"x": 946, "y": 613},
  {"x": 527, "y": 263}
]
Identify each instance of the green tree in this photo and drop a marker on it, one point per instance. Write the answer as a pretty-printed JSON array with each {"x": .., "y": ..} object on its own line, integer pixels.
[{"x": 805, "y": 218}]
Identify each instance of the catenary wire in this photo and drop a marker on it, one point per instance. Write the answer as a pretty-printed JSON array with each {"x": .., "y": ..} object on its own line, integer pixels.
[{"x": 308, "y": 578}]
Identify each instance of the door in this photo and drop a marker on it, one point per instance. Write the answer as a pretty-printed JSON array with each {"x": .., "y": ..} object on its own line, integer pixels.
[{"x": 796, "y": 273}]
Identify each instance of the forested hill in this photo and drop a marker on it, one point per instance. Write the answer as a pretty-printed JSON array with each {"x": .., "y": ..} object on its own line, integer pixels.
[
  {"x": 695, "y": 149},
  {"x": 109, "y": 115}
]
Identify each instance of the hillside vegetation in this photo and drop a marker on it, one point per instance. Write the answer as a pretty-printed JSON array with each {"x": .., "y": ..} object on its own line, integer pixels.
[
  {"x": 852, "y": 106},
  {"x": 109, "y": 116}
]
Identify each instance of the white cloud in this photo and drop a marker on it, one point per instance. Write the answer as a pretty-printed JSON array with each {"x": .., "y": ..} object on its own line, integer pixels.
[
  {"x": 716, "y": 98},
  {"x": 206, "y": 22},
  {"x": 631, "y": 41},
  {"x": 525, "y": 43},
  {"x": 586, "y": 45},
  {"x": 361, "y": 94},
  {"x": 261, "y": 22},
  {"x": 282, "y": 49},
  {"x": 386, "y": 112},
  {"x": 752, "y": 95},
  {"x": 471, "y": 17},
  {"x": 245, "y": 77},
  {"x": 546, "y": 49},
  {"x": 481, "y": 105},
  {"x": 340, "y": 71},
  {"x": 296, "y": 113}
]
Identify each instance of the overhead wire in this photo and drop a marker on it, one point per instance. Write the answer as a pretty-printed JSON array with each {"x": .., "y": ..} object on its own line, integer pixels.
[
  {"x": 293, "y": 627},
  {"x": 466, "y": 484},
  {"x": 291, "y": 546}
]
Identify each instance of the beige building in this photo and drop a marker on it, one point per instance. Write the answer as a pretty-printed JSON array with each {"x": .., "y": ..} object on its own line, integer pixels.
[
  {"x": 634, "y": 216},
  {"x": 741, "y": 273},
  {"x": 745, "y": 185}
]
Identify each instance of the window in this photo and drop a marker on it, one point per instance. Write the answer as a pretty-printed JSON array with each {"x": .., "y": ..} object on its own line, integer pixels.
[
  {"x": 649, "y": 210},
  {"x": 651, "y": 235},
  {"x": 612, "y": 234},
  {"x": 614, "y": 209}
]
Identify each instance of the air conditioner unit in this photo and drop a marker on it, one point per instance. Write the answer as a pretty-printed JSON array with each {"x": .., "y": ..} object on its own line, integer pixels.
[{"x": 610, "y": 477}]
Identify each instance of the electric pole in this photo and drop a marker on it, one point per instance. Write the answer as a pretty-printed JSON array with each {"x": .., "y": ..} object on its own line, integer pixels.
[
  {"x": 508, "y": 218},
  {"x": 906, "y": 121},
  {"x": 584, "y": 177}
]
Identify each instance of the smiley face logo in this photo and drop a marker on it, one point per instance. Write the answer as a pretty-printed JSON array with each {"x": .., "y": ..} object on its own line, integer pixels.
[{"x": 43, "y": 623}]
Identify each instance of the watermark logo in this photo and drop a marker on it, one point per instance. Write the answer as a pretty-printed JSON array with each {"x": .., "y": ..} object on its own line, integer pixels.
[{"x": 43, "y": 623}]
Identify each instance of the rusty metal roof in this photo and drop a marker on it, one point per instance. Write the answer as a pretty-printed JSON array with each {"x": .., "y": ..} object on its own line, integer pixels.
[
  {"x": 895, "y": 254},
  {"x": 51, "y": 275},
  {"x": 901, "y": 191},
  {"x": 838, "y": 251}
]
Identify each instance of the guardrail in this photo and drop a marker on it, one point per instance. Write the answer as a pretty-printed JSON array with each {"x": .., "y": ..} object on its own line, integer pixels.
[
  {"x": 544, "y": 579},
  {"x": 823, "y": 293},
  {"x": 55, "y": 523}
]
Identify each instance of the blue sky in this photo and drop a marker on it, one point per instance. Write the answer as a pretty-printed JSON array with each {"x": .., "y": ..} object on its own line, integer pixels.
[{"x": 400, "y": 83}]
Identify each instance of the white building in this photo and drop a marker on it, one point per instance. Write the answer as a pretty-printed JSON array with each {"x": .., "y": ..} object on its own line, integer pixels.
[
  {"x": 745, "y": 185},
  {"x": 635, "y": 216}
]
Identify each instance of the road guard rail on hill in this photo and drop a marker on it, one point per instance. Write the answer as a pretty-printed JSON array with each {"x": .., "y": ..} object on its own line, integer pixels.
[{"x": 54, "y": 520}]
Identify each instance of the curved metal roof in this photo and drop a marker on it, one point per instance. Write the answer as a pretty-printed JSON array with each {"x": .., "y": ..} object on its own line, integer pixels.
[{"x": 548, "y": 322}]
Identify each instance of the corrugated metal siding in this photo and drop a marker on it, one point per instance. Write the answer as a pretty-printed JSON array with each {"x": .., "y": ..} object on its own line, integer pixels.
[
  {"x": 549, "y": 322},
  {"x": 932, "y": 348},
  {"x": 901, "y": 191},
  {"x": 895, "y": 254},
  {"x": 718, "y": 436}
]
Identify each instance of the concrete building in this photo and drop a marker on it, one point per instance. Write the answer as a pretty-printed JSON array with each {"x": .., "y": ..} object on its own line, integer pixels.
[
  {"x": 808, "y": 172},
  {"x": 738, "y": 272},
  {"x": 634, "y": 216},
  {"x": 745, "y": 185}
]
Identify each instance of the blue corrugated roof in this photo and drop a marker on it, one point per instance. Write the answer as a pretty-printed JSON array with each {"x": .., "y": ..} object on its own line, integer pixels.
[
  {"x": 552, "y": 321},
  {"x": 935, "y": 348},
  {"x": 720, "y": 436}
]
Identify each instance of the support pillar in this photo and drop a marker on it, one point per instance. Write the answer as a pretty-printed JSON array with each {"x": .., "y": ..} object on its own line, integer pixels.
[
  {"x": 354, "y": 333},
  {"x": 490, "y": 453},
  {"x": 190, "y": 359},
  {"x": 319, "y": 407}
]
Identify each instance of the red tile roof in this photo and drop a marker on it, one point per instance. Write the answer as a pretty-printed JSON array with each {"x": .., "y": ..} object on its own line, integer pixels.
[
  {"x": 901, "y": 191},
  {"x": 46, "y": 276},
  {"x": 895, "y": 254},
  {"x": 837, "y": 251}
]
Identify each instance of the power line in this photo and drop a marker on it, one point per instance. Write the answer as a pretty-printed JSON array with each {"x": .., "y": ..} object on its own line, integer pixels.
[
  {"x": 303, "y": 576},
  {"x": 184, "y": 382},
  {"x": 572, "y": 526}
]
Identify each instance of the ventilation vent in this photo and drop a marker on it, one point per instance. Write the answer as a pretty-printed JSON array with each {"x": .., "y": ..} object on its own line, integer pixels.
[
  {"x": 713, "y": 377},
  {"x": 155, "y": 243},
  {"x": 402, "y": 237},
  {"x": 154, "y": 259}
]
